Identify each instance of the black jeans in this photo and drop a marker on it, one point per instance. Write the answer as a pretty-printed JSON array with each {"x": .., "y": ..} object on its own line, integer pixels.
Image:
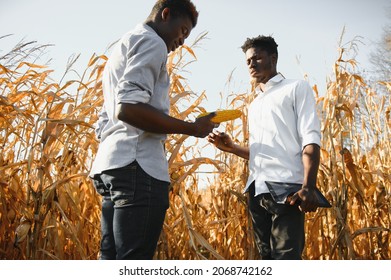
[
  {"x": 278, "y": 228},
  {"x": 134, "y": 206}
]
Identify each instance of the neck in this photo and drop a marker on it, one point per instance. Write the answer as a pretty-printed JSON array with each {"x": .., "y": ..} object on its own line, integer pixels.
[
  {"x": 151, "y": 24},
  {"x": 268, "y": 78},
  {"x": 272, "y": 76},
  {"x": 154, "y": 26},
  {"x": 261, "y": 85}
]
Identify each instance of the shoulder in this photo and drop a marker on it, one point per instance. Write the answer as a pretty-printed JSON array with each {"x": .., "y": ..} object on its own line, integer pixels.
[
  {"x": 297, "y": 82},
  {"x": 144, "y": 38},
  {"x": 299, "y": 86}
]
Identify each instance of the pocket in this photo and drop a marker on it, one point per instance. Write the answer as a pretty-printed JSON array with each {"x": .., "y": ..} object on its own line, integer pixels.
[
  {"x": 121, "y": 183},
  {"x": 99, "y": 185},
  {"x": 162, "y": 189}
]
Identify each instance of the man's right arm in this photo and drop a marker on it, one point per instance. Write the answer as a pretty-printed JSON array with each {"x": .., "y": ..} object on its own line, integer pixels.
[
  {"x": 223, "y": 142},
  {"x": 148, "y": 118}
]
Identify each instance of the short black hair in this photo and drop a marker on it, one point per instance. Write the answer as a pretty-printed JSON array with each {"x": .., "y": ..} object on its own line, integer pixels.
[
  {"x": 177, "y": 8},
  {"x": 262, "y": 42}
]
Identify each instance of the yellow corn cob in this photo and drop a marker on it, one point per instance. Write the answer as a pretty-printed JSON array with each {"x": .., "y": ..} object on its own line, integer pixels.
[{"x": 223, "y": 115}]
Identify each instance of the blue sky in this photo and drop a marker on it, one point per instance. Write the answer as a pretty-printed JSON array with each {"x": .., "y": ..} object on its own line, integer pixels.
[{"x": 307, "y": 32}]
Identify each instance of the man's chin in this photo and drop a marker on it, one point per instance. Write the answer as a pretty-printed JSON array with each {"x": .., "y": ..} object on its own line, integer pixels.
[{"x": 256, "y": 80}]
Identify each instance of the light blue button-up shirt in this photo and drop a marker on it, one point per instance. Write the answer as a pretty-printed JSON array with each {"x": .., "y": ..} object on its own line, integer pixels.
[{"x": 134, "y": 73}]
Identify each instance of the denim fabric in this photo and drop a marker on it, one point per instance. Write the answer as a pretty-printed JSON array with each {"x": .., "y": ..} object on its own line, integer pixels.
[
  {"x": 278, "y": 228},
  {"x": 134, "y": 205}
]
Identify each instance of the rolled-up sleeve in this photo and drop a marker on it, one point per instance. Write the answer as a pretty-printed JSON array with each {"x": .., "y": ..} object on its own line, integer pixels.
[
  {"x": 145, "y": 59},
  {"x": 308, "y": 124}
]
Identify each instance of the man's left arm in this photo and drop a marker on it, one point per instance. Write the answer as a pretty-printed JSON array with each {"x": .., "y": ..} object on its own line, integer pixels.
[
  {"x": 306, "y": 195},
  {"x": 308, "y": 127},
  {"x": 311, "y": 160}
]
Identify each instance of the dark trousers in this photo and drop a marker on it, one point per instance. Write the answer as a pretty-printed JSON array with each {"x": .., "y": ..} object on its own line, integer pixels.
[
  {"x": 278, "y": 228},
  {"x": 133, "y": 210}
]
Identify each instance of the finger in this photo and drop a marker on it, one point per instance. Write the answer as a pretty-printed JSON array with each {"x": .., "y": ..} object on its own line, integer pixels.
[
  {"x": 224, "y": 137},
  {"x": 306, "y": 210},
  {"x": 215, "y": 134},
  {"x": 210, "y": 116},
  {"x": 312, "y": 208},
  {"x": 294, "y": 199},
  {"x": 309, "y": 207}
]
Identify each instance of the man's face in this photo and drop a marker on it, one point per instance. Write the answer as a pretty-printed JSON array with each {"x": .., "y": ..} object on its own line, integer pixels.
[
  {"x": 175, "y": 31},
  {"x": 261, "y": 65}
]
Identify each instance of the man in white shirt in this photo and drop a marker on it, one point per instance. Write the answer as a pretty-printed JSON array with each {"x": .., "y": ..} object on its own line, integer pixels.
[
  {"x": 284, "y": 147},
  {"x": 130, "y": 170}
]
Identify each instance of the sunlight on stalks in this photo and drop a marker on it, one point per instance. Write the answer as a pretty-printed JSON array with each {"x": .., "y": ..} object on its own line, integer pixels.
[
  {"x": 48, "y": 207},
  {"x": 354, "y": 171}
]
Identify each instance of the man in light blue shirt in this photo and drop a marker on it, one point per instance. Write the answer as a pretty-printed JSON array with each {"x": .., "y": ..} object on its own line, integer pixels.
[
  {"x": 284, "y": 147},
  {"x": 130, "y": 169}
]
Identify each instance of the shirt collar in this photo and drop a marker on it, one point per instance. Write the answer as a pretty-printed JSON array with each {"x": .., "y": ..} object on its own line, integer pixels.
[
  {"x": 147, "y": 27},
  {"x": 272, "y": 82}
]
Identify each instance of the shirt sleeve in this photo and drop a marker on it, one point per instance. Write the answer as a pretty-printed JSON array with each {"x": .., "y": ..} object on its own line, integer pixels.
[
  {"x": 145, "y": 59},
  {"x": 308, "y": 124}
]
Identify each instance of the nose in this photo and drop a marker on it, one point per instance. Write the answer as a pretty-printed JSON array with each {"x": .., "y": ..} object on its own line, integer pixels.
[
  {"x": 252, "y": 64},
  {"x": 181, "y": 41}
]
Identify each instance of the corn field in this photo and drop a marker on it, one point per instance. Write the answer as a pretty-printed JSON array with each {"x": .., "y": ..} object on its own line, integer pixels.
[{"x": 50, "y": 210}]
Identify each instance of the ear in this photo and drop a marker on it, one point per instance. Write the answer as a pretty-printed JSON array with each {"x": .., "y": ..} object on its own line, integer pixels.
[{"x": 165, "y": 14}]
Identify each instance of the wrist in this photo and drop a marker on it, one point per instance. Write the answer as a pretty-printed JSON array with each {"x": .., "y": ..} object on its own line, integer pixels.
[
  {"x": 308, "y": 186},
  {"x": 235, "y": 148},
  {"x": 189, "y": 128}
]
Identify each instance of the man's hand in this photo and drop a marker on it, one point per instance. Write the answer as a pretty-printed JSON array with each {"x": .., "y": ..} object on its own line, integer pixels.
[
  {"x": 222, "y": 141},
  {"x": 306, "y": 199},
  {"x": 204, "y": 125}
]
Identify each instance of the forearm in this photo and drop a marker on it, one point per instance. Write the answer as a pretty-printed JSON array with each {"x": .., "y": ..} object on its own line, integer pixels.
[
  {"x": 148, "y": 118},
  {"x": 311, "y": 160},
  {"x": 240, "y": 151}
]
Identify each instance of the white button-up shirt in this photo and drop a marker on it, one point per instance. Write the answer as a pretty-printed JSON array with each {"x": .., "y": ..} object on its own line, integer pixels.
[
  {"x": 135, "y": 73},
  {"x": 282, "y": 121}
]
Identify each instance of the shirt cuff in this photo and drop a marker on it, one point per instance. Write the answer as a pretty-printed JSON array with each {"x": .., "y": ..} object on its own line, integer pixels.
[
  {"x": 313, "y": 138},
  {"x": 133, "y": 97}
]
